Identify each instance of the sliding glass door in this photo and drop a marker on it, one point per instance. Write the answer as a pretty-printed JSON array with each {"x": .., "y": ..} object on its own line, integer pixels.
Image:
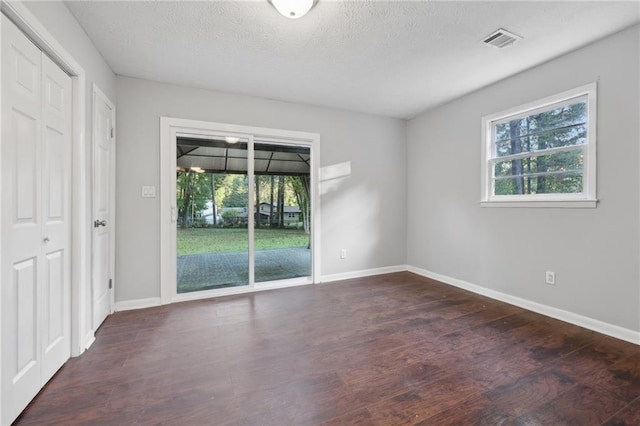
[
  {"x": 212, "y": 198},
  {"x": 243, "y": 212},
  {"x": 283, "y": 212}
]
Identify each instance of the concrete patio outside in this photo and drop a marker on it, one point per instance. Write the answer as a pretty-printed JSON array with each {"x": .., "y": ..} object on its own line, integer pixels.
[{"x": 218, "y": 270}]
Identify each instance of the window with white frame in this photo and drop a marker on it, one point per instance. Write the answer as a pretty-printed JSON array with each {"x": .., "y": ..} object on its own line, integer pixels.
[{"x": 543, "y": 153}]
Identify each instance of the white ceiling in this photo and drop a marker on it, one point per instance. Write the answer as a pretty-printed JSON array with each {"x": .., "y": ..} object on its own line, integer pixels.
[{"x": 395, "y": 58}]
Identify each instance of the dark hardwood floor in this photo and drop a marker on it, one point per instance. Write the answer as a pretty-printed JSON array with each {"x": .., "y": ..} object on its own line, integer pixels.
[{"x": 395, "y": 349}]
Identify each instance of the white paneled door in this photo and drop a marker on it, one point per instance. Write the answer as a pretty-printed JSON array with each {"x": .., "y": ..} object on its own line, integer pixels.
[
  {"x": 103, "y": 131},
  {"x": 36, "y": 195}
]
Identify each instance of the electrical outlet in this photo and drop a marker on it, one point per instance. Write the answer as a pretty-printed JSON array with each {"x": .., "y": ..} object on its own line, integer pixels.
[
  {"x": 343, "y": 253},
  {"x": 550, "y": 278}
]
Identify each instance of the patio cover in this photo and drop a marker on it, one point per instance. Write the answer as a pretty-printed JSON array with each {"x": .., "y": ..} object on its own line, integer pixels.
[{"x": 220, "y": 156}]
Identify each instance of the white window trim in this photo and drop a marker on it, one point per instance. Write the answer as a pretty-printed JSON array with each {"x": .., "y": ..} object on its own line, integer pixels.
[{"x": 586, "y": 199}]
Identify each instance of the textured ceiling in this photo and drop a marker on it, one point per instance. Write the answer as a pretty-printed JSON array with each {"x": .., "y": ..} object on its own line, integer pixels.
[{"x": 395, "y": 58}]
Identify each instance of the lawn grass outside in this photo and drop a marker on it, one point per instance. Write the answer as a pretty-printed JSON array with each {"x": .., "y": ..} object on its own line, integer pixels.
[{"x": 221, "y": 240}]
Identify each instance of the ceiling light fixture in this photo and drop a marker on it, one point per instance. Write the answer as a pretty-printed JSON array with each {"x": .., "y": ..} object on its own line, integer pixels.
[
  {"x": 293, "y": 9},
  {"x": 231, "y": 139}
]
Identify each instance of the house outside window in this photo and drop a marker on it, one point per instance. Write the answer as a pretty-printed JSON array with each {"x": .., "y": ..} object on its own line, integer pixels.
[{"x": 542, "y": 154}]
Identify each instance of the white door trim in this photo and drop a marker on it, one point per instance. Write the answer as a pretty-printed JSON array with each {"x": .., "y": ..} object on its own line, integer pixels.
[
  {"x": 98, "y": 95},
  {"x": 80, "y": 208},
  {"x": 169, "y": 129}
]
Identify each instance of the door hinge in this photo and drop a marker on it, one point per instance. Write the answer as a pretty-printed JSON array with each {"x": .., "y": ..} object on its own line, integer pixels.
[
  {"x": 110, "y": 283},
  {"x": 113, "y": 133}
]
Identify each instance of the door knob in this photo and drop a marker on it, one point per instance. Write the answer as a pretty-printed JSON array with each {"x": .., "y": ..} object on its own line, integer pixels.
[
  {"x": 99, "y": 223},
  {"x": 46, "y": 239}
]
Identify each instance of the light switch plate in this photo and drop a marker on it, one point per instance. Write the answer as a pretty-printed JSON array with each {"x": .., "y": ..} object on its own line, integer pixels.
[{"x": 148, "y": 192}]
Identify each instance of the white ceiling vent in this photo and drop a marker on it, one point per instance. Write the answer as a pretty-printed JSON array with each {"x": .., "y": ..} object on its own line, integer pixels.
[{"x": 501, "y": 38}]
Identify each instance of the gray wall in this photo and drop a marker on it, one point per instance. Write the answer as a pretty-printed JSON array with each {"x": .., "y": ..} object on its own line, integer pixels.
[
  {"x": 365, "y": 215},
  {"x": 594, "y": 252}
]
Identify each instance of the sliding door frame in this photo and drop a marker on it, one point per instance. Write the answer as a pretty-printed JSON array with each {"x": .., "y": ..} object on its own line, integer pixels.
[{"x": 170, "y": 129}]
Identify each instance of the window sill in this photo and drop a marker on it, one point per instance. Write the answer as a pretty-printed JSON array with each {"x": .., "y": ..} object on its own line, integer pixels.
[{"x": 564, "y": 204}]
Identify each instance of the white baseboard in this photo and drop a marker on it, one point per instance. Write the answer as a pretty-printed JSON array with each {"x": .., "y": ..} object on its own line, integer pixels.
[
  {"x": 89, "y": 339},
  {"x": 562, "y": 315},
  {"x": 362, "y": 273},
  {"x": 127, "y": 305}
]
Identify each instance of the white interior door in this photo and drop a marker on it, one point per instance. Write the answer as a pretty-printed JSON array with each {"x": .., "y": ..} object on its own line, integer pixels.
[
  {"x": 56, "y": 212},
  {"x": 36, "y": 141},
  {"x": 103, "y": 131},
  {"x": 21, "y": 211}
]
